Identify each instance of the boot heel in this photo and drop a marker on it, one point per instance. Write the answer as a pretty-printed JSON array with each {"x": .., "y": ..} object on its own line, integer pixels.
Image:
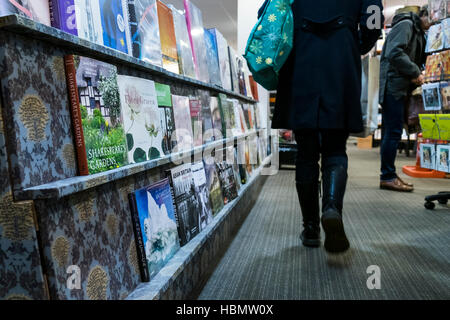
[{"x": 335, "y": 238}]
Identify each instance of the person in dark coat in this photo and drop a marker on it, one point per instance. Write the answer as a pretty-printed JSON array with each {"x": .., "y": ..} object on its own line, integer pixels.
[
  {"x": 401, "y": 63},
  {"x": 318, "y": 97}
]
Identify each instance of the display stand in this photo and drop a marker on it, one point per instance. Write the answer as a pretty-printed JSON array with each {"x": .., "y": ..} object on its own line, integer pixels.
[{"x": 55, "y": 225}]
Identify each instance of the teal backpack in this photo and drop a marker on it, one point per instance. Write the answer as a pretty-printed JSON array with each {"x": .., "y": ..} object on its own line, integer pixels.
[{"x": 270, "y": 43}]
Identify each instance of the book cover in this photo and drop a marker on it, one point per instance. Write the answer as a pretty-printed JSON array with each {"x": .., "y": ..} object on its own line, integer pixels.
[
  {"x": 89, "y": 20},
  {"x": 195, "y": 107},
  {"x": 257, "y": 117},
  {"x": 231, "y": 159},
  {"x": 212, "y": 59},
  {"x": 224, "y": 60},
  {"x": 247, "y": 116},
  {"x": 37, "y": 10},
  {"x": 253, "y": 150},
  {"x": 99, "y": 102},
  {"x": 247, "y": 82},
  {"x": 248, "y": 164},
  {"x": 238, "y": 127},
  {"x": 225, "y": 109},
  {"x": 431, "y": 97},
  {"x": 435, "y": 40},
  {"x": 114, "y": 24},
  {"x": 437, "y": 9},
  {"x": 164, "y": 97},
  {"x": 433, "y": 68},
  {"x": 186, "y": 202},
  {"x": 217, "y": 119},
  {"x": 240, "y": 62},
  {"x": 168, "y": 39},
  {"x": 240, "y": 157},
  {"x": 227, "y": 181},
  {"x": 157, "y": 222},
  {"x": 141, "y": 119},
  {"x": 207, "y": 121},
  {"x": 254, "y": 88},
  {"x": 443, "y": 158},
  {"x": 139, "y": 239},
  {"x": 428, "y": 123},
  {"x": 233, "y": 70},
  {"x": 213, "y": 184},
  {"x": 427, "y": 156},
  {"x": 182, "y": 115},
  {"x": 243, "y": 120},
  {"x": 194, "y": 21},
  {"x": 446, "y": 31},
  {"x": 185, "y": 58},
  {"x": 443, "y": 126},
  {"x": 144, "y": 31},
  {"x": 203, "y": 196},
  {"x": 445, "y": 95},
  {"x": 63, "y": 15}
]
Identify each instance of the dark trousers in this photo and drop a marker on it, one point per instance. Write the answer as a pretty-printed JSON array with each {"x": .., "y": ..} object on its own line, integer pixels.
[
  {"x": 332, "y": 144},
  {"x": 393, "y": 119}
]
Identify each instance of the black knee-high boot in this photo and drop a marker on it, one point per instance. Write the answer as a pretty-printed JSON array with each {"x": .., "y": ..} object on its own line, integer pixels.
[
  {"x": 334, "y": 184},
  {"x": 308, "y": 195}
]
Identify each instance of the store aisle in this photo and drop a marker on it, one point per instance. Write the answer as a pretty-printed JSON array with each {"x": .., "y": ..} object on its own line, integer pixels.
[{"x": 391, "y": 230}]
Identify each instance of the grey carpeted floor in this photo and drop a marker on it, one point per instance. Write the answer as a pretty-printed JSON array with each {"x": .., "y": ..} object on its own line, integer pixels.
[{"x": 393, "y": 231}]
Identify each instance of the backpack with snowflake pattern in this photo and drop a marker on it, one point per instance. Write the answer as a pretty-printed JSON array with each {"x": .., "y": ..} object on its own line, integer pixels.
[{"x": 270, "y": 42}]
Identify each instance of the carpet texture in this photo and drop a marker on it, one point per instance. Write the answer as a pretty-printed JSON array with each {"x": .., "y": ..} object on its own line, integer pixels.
[{"x": 410, "y": 245}]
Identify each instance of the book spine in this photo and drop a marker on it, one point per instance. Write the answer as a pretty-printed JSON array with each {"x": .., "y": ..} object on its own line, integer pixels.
[
  {"x": 75, "y": 112},
  {"x": 140, "y": 248},
  {"x": 55, "y": 19},
  {"x": 175, "y": 207}
]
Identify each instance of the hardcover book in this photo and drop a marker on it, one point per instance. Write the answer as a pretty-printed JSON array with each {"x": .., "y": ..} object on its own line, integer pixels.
[
  {"x": 207, "y": 121},
  {"x": 238, "y": 127},
  {"x": 89, "y": 20},
  {"x": 114, "y": 18},
  {"x": 443, "y": 158},
  {"x": 196, "y": 32},
  {"x": 203, "y": 196},
  {"x": 183, "y": 124},
  {"x": 168, "y": 39},
  {"x": 437, "y": 9},
  {"x": 153, "y": 213},
  {"x": 224, "y": 60},
  {"x": 195, "y": 107},
  {"x": 213, "y": 184},
  {"x": 166, "y": 116},
  {"x": 446, "y": 31},
  {"x": 212, "y": 59},
  {"x": 227, "y": 115},
  {"x": 427, "y": 156},
  {"x": 227, "y": 181},
  {"x": 445, "y": 95},
  {"x": 37, "y": 10},
  {"x": 254, "y": 88},
  {"x": 435, "y": 40},
  {"x": 242, "y": 118},
  {"x": 231, "y": 159},
  {"x": 219, "y": 130},
  {"x": 185, "y": 58},
  {"x": 63, "y": 15},
  {"x": 187, "y": 214},
  {"x": 240, "y": 62},
  {"x": 95, "y": 106},
  {"x": 141, "y": 119},
  {"x": 144, "y": 31},
  {"x": 240, "y": 157},
  {"x": 431, "y": 97},
  {"x": 233, "y": 70}
]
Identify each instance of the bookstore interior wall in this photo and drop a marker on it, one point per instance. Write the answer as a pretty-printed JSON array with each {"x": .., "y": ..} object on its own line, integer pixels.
[{"x": 90, "y": 123}]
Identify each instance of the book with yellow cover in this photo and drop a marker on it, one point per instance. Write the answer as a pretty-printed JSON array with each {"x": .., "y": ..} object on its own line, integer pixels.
[{"x": 168, "y": 39}]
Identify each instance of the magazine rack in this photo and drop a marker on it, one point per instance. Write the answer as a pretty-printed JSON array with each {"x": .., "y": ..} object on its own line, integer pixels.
[{"x": 55, "y": 225}]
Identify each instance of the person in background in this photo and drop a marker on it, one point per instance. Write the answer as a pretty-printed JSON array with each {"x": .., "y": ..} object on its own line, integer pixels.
[
  {"x": 318, "y": 97},
  {"x": 402, "y": 59}
]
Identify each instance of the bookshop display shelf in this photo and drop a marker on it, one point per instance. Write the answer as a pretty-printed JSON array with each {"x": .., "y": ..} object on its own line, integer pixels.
[
  {"x": 53, "y": 221},
  {"x": 36, "y": 30},
  {"x": 67, "y": 187},
  {"x": 177, "y": 280}
]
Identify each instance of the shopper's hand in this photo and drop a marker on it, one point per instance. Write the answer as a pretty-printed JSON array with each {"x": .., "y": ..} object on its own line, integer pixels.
[{"x": 419, "y": 80}]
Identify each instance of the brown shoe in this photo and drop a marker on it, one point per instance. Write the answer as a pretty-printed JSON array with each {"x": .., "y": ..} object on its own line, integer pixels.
[
  {"x": 396, "y": 185},
  {"x": 402, "y": 181}
]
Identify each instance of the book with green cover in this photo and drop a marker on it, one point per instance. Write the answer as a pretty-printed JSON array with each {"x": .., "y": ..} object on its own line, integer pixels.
[{"x": 213, "y": 182}]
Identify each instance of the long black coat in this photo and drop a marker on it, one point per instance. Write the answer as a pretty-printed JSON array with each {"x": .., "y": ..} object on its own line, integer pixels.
[{"x": 320, "y": 84}]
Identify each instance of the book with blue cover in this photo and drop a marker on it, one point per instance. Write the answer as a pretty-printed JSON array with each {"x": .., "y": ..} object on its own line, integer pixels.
[
  {"x": 155, "y": 227},
  {"x": 212, "y": 59},
  {"x": 144, "y": 31},
  {"x": 114, "y": 20},
  {"x": 224, "y": 60}
]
